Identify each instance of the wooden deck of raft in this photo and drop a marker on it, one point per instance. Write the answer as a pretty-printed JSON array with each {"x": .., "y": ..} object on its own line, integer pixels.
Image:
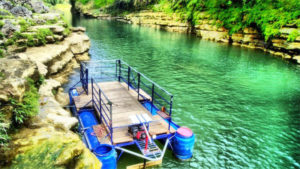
[{"x": 124, "y": 105}]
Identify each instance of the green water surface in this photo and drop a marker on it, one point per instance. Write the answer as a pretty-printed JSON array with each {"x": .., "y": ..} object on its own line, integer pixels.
[{"x": 242, "y": 104}]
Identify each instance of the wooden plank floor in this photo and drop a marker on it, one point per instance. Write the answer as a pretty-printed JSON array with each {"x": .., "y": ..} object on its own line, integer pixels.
[{"x": 124, "y": 104}]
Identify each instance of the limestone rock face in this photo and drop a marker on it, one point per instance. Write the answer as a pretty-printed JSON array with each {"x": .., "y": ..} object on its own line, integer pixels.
[
  {"x": 58, "y": 55},
  {"x": 13, "y": 77},
  {"x": 8, "y": 28},
  {"x": 21, "y": 11},
  {"x": 158, "y": 20},
  {"x": 5, "y": 5},
  {"x": 21, "y": 2},
  {"x": 78, "y": 29},
  {"x": 80, "y": 43},
  {"x": 207, "y": 28},
  {"x": 47, "y": 87},
  {"x": 39, "y": 7},
  {"x": 47, "y": 16},
  {"x": 62, "y": 97},
  {"x": 213, "y": 35},
  {"x": 297, "y": 59},
  {"x": 49, "y": 147},
  {"x": 83, "y": 57},
  {"x": 56, "y": 29},
  {"x": 51, "y": 111}
]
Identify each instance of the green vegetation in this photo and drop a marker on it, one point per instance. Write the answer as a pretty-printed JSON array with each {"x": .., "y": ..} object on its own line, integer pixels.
[
  {"x": 21, "y": 110},
  {"x": 267, "y": 16},
  {"x": 4, "y": 138},
  {"x": 1, "y": 24},
  {"x": 1, "y": 35},
  {"x": 44, "y": 154},
  {"x": 35, "y": 39},
  {"x": 67, "y": 31},
  {"x": 24, "y": 25},
  {"x": 29, "y": 106},
  {"x": 5, "y": 14},
  {"x": 101, "y": 3},
  {"x": 41, "y": 35},
  {"x": 1, "y": 76},
  {"x": 1, "y": 54},
  {"x": 51, "y": 22},
  {"x": 54, "y": 92},
  {"x": 53, "y": 2},
  {"x": 293, "y": 35}
]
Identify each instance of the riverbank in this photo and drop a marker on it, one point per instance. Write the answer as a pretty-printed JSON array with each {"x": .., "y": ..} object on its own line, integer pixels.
[
  {"x": 207, "y": 28},
  {"x": 38, "y": 53}
]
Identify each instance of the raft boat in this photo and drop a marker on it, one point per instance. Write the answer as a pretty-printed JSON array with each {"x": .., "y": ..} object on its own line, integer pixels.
[{"x": 118, "y": 106}]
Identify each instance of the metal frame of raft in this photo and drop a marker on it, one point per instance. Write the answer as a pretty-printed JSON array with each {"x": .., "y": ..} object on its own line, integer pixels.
[{"x": 93, "y": 107}]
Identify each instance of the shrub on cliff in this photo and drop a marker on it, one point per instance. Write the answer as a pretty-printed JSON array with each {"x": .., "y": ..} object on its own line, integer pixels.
[
  {"x": 28, "y": 107},
  {"x": 1, "y": 54},
  {"x": 36, "y": 39},
  {"x": 42, "y": 34},
  {"x": 19, "y": 111},
  {"x": 4, "y": 138},
  {"x": 267, "y": 16},
  {"x": 53, "y": 2}
]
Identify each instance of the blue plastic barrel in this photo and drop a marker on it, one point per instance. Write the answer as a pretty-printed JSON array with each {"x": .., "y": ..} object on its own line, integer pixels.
[
  {"x": 88, "y": 120},
  {"x": 183, "y": 143},
  {"x": 107, "y": 155}
]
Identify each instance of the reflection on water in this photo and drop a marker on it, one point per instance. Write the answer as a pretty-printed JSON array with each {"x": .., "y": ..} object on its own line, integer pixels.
[{"x": 242, "y": 104}]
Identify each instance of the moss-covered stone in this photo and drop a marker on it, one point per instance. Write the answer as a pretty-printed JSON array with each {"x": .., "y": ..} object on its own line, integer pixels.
[{"x": 49, "y": 148}]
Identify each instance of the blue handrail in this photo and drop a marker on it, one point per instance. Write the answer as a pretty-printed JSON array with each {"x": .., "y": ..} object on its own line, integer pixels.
[
  {"x": 103, "y": 105},
  {"x": 84, "y": 78},
  {"x": 134, "y": 79},
  {"x": 127, "y": 74}
]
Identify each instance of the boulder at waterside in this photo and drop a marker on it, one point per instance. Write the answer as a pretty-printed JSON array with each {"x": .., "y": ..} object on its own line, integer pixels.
[{"x": 48, "y": 147}]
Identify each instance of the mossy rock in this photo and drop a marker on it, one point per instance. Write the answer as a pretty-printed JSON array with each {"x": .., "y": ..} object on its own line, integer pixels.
[{"x": 47, "y": 147}]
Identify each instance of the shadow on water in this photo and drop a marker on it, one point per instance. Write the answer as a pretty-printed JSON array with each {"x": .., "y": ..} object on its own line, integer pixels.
[{"x": 242, "y": 104}]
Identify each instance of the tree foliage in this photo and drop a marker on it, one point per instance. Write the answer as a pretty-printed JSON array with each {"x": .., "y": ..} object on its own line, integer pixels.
[
  {"x": 268, "y": 16},
  {"x": 29, "y": 106}
]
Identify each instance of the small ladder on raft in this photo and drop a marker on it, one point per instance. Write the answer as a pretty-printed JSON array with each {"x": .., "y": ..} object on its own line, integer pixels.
[{"x": 152, "y": 151}]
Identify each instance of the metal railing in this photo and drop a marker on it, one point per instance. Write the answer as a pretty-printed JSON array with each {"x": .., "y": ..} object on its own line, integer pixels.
[
  {"x": 105, "y": 70},
  {"x": 103, "y": 107},
  {"x": 145, "y": 88},
  {"x": 84, "y": 78},
  {"x": 102, "y": 70}
]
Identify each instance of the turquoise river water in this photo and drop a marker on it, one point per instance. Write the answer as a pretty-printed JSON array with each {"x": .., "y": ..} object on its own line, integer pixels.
[{"x": 242, "y": 104}]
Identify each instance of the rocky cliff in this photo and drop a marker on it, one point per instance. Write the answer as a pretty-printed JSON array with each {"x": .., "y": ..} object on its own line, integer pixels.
[
  {"x": 39, "y": 52},
  {"x": 207, "y": 29}
]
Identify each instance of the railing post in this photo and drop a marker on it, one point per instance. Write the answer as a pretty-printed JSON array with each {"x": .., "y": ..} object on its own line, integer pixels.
[
  {"x": 116, "y": 68},
  {"x": 170, "y": 112},
  {"x": 139, "y": 80},
  {"x": 152, "y": 97},
  {"x": 100, "y": 100},
  {"x": 87, "y": 81},
  {"x": 93, "y": 92},
  {"x": 128, "y": 77},
  {"x": 119, "y": 78},
  {"x": 82, "y": 76},
  {"x": 111, "y": 125}
]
